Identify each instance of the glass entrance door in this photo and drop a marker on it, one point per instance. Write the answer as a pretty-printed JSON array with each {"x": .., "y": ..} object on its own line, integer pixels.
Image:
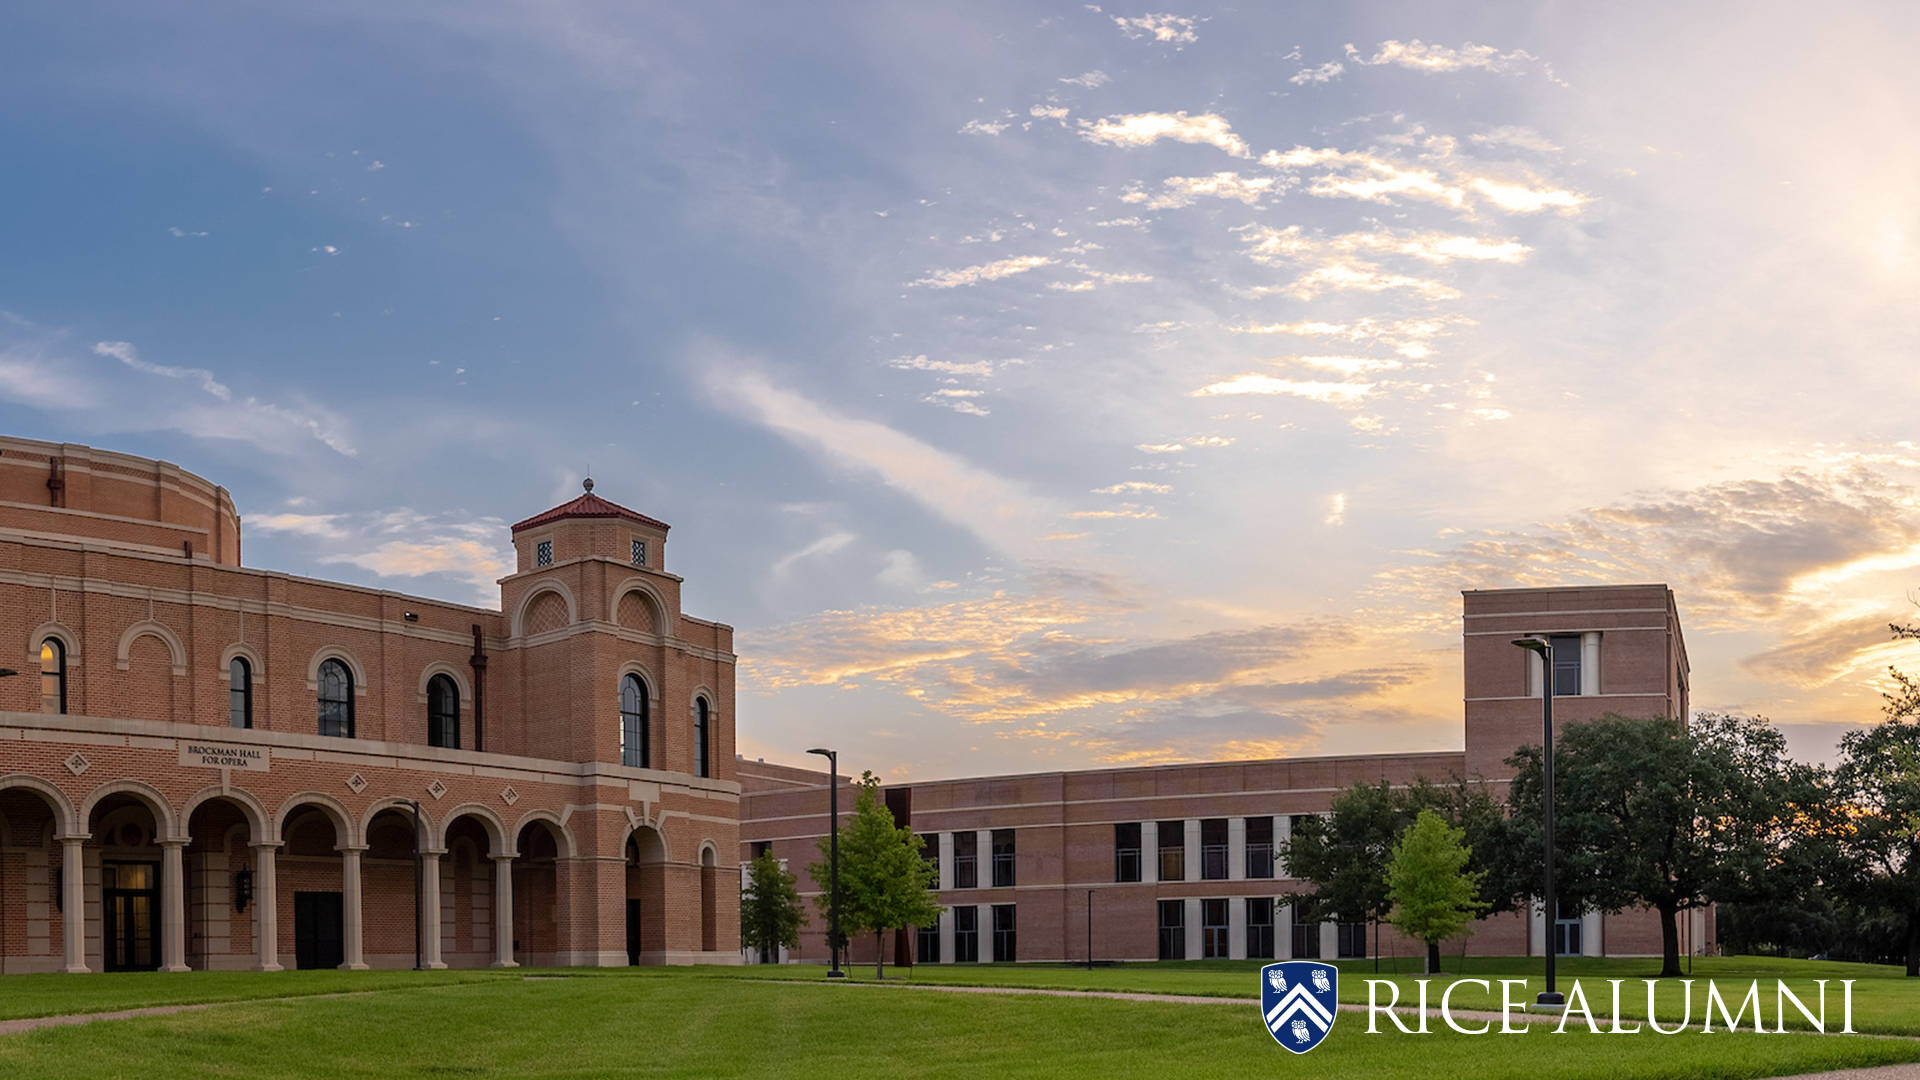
[{"x": 129, "y": 911}]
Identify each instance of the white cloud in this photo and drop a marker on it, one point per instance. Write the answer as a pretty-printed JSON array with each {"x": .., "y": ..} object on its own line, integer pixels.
[
  {"x": 1267, "y": 244},
  {"x": 1336, "y": 510},
  {"x": 1420, "y": 56},
  {"x": 1522, "y": 199},
  {"x": 902, "y": 571},
  {"x": 984, "y": 127},
  {"x": 1128, "y": 486},
  {"x": 943, "y": 367},
  {"x": 1338, "y": 393},
  {"x": 1183, "y": 190},
  {"x": 1145, "y": 129},
  {"x": 1326, "y": 72},
  {"x": 1048, "y": 112},
  {"x": 180, "y": 233},
  {"x": 1355, "y": 276},
  {"x": 826, "y": 545},
  {"x": 1349, "y": 365},
  {"x": 1520, "y": 137},
  {"x": 125, "y": 353},
  {"x": 1092, "y": 80},
  {"x": 993, "y": 271},
  {"x": 1174, "y": 30}
]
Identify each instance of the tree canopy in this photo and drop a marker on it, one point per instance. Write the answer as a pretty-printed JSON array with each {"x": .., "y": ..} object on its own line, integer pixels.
[
  {"x": 770, "y": 910},
  {"x": 885, "y": 881},
  {"x": 1433, "y": 893}
]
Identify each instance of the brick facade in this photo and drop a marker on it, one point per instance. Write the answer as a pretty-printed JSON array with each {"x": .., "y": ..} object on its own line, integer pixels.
[{"x": 539, "y": 836}]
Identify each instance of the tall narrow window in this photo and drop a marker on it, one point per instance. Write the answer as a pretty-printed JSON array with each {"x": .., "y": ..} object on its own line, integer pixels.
[
  {"x": 1213, "y": 929},
  {"x": 1213, "y": 849},
  {"x": 1173, "y": 930},
  {"x": 240, "y": 693},
  {"x": 702, "y": 733},
  {"x": 543, "y": 553},
  {"x": 1002, "y": 858},
  {"x": 966, "y": 866},
  {"x": 1126, "y": 851},
  {"x": 1306, "y": 932},
  {"x": 443, "y": 713},
  {"x": 633, "y": 723},
  {"x": 1260, "y": 847},
  {"x": 927, "y": 950},
  {"x": 639, "y": 553},
  {"x": 1173, "y": 850},
  {"x": 336, "y": 699},
  {"x": 966, "y": 934},
  {"x": 1259, "y": 927},
  {"x": 930, "y": 851},
  {"x": 1566, "y": 664},
  {"x": 53, "y": 676},
  {"x": 1004, "y": 951}
]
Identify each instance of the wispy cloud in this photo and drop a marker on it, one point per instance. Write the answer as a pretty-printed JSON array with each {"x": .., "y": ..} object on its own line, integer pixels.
[
  {"x": 993, "y": 271},
  {"x": 1325, "y": 73},
  {"x": 1175, "y": 30},
  {"x": 1178, "y": 191},
  {"x": 1417, "y": 55},
  {"x": 1145, "y": 129}
]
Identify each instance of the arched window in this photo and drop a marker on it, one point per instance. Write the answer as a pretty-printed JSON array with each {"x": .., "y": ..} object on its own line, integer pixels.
[
  {"x": 240, "y": 693},
  {"x": 443, "y": 713},
  {"x": 702, "y": 734},
  {"x": 633, "y": 723},
  {"x": 336, "y": 699},
  {"x": 53, "y": 676}
]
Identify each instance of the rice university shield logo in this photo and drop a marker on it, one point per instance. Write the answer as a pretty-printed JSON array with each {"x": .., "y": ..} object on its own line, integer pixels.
[{"x": 1300, "y": 999}]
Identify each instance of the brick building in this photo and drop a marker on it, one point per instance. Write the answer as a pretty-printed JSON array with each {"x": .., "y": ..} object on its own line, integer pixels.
[
  {"x": 204, "y": 765},
  {"x": 1179, "y": 862}
]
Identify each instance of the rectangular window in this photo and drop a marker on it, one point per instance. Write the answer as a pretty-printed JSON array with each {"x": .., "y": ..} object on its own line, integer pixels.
[
  {"x": 1003, "y": 936},
  {"x": 1173, "y": 850},
  {"x": 1126, "y": 851},
  {"x": 761, "y": 847},
  {"x": 543, "y": 553},
  {"x": 1003, "y": 858},
  {"x": 1213, "y": 849},
  {"x": 1259, "y": 847},
  {"x": 639, "y": 553},
  {"x": 1566, "y": 929},
  {"x": 1351, "y": 939},
  {"x": 930, "y": 850},
  {"x": 1173, "y": 930},
  {"x": 1260, "y": 928},
  {"x": 1306, "y": 934},
  {"x": 966, "y": 871},
  {"x": 1213, "y": 929},
  {"x": 928, "y": 945},
  {"x": 1566, "y": 664},
  {"x": 966, "y": 935}
]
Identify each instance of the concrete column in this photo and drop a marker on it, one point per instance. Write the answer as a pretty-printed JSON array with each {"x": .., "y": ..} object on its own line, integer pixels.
[
  {"x": 1590, "y": 663},
  {"x": 266, "y": 911},
  {"x": 1282, "y": 929},
  {"x": 1149, "y": 852},
  {"x": 1329, "y": 940},
  {"x": 946, "y": 861},
  {"x": 352, "y": 935},
  {"x": 1537, "y": 939},
  {"x": 1282, "y": 832},
  {"x": 1237, "y": 928},
  {"x": 946, "y": 936},
  {"x": 982, "y": 866},
  {"x": 503, "y": 912},
  {"x": 73, "y": 901},
  {"x": 1590, "y": 943},
  {"x": 1192, "y": 918},
  {"x": 1237, "y": 849},
  {"x": 173, "y": 906},
  {"x": 1192, "y": 845},
  {"x": 1536, "y": 674},
  {"x": 430, "y": 911}
]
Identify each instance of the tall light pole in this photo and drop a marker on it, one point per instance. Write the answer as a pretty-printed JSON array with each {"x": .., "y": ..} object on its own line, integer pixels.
[
  {"x": 1551, "y": 997},
  {"x": 833, "y": 861}
]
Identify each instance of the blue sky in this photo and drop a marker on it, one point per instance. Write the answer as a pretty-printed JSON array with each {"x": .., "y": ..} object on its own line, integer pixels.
[{"x": 1031, "y": 386}]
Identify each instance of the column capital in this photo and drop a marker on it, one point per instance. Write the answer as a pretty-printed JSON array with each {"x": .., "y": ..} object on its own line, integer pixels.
[
  {"x": 174, "y": 842},
  {"x": 432, "y": 853},
  {"x": 73, "y": 838},
  {"x": 510, "y": 858},
  {"x": 267, "y": 845},
  {"x": 350, "y": 849}
]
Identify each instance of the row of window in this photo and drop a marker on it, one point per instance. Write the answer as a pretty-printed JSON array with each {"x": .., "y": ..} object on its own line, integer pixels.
[
  {"x": 334, "y": 706},
  {"x": 966, "y": 937},
  {"x": 1350, "y": 938},
  {"x": 543, "y": 553},
  {"x": 1170, "y": 850},
  {"x": 966, "y": 859}
]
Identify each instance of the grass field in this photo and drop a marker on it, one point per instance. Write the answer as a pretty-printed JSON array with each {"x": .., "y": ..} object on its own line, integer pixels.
[{"x": 653, "y": 1022}]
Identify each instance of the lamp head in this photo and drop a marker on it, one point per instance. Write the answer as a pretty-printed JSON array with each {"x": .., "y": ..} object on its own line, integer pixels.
[
  {"x": 1534, "y": 645},
  {"x": 822, "y": 753}
]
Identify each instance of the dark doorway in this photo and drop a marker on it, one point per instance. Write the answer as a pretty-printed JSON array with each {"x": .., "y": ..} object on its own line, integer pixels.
[
  {"x": 318, "y": 925},
  {"x": 129, "y": 909},
  {"x": 633, "y": 931}
]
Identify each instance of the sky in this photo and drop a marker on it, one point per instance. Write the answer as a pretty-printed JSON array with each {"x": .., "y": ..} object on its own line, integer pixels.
[{"x": 1031, "y": 386}]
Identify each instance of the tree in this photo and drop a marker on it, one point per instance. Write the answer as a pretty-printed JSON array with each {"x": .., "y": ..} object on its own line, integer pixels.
[
  {"x": 1879, "y": 779},
  {"x": 885, "y": 881},
  {"x": 770, "y": 912},
  {"x": 1434, "y": 895}
]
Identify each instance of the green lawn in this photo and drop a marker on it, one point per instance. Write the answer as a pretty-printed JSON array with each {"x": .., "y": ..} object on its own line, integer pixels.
[
  {"x": 55, "y": 995},
  {"x": 649, "y": 1022}
]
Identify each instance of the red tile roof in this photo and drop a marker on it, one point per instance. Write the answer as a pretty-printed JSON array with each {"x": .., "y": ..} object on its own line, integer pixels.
[{"x": 590, "y": 505}]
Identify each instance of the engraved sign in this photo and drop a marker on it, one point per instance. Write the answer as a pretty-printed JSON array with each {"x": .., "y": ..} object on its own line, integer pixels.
[{"x": 211, "y": 755}]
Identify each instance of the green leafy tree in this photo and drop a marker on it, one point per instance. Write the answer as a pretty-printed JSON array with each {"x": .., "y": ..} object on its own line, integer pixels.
[
  {"x": 886, "y": 883},
  {"x": 1878, "y": 779},
  {"x": 1433, "y": 893},
  {"x": 770, "y": 912}
]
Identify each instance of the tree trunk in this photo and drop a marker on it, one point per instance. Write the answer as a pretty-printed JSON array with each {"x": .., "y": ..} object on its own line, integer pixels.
[
  {"x": 879, "y": 952},
  {"x": 1913, "y": 944},
  {"x": 1669, "y": 942},
  {"x": 1433, "y": 958}
]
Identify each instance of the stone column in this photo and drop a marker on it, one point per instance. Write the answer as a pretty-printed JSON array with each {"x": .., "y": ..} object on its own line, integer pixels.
[
  {"x": 430, "y": 911},
  {"x": 1282, "y": 835},
  {"x": 1282, "y": 928},
  {"x": 946, "y": 936},
  {"x": 1590, "y": 664},
  {"x": 1149, "y": 852},
  {"x": 1191, "y": 914},
  {"x": 73, "y": 901},
  {"x": 1329, "y": 941},
  {"x": 503, "y": 912},
  {"x": 266, "y": 909},
  {"x": 1237, "y": 928},
  {"x": 173, "y": 906},
  {"x": 352, "y": 937},
  {"x": 1237, "y": 849},
  {"x": 982, "y": 866},
  {"x": 1192, "y": 845},
  {"x": 946, "y": 861}
]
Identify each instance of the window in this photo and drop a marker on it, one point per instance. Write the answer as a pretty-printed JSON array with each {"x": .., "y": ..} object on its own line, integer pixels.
[
  {"x": 639, "y": 553},
  {"x": 966, "y": 851},
  {"x": 761, "y": 847},
  {"x": 53, "y": 676},
  {"x": 1259, "y": 847},
  {"x": 1173, "y": 930},
  {"x": 443, "y": 712},
  {"x": 1260, "y": 928},
  {"x": 930, "y": 851},
  {"x": 1003, "y": 858},
  {"x": 336, "y": 699},
  {"x": 1126, "y": 851},
  {"x": 927, "y": 950},
  {"x": 1350, "y": 938},
  {"x": 240, "y": 693},
  {"x": 633, "y": 723},
  {"x": 1566, "y": 664},
  {"x": 1003, "y": 936},
  {"x": 1566, "y": 930},
  {"x": 702, "y": 734},
  {"x": 1213, "y": 849},
  {"x": 1306, "y": 933},
  {"x": 966, "y": 935},
  {"x": 1173, "y": 850},
  {"x": 543, "y": 553},
  {"x": 1213, "y": 929}
]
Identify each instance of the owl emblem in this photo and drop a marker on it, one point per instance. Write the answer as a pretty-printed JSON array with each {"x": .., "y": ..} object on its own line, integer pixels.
[
  {"x": 1300, "y": 1032},
  {"x": 1320, "y": 982},
  {"x": 1278, "y": 980}
]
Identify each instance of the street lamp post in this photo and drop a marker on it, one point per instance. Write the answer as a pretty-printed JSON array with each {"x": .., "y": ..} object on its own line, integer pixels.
[
  {"x": 833, "y": 861},
  {"x": 1551, "y": 997}
]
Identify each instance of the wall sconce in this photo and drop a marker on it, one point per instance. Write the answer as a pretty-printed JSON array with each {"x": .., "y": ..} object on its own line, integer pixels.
[
  {"x": 242, "y": 889},
  {"x": 410, "y": 616}
]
